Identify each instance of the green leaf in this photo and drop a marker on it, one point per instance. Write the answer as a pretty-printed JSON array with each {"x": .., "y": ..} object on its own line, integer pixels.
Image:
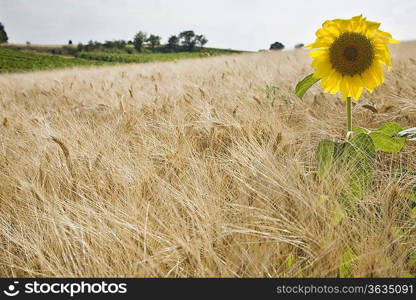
[
  {"x": 346, "y": 269},
  {"x": 325, "y": 157},
  {"x": 389, "y": 128},
  {"x": 358, "y": 160},
  {"x": 360, "y": 130},
  {"x": 386, "y": 143},
  {"x": 339, "y": 215},
  {"x": 339, "y": 149},
  {"x": 385, "y": 139},
  {"x": 411, "y": 197},
  {"x": 291, "y": 260},
  {"x": 304, "y": 85},
  {"x": 322, "y": 199},
  {"x": 412, "y": 259}
]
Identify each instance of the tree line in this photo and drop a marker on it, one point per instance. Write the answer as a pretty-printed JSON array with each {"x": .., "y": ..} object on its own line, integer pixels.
[
  {"x": 142, "y": 42},
  {"x": 280, "y": 46},
  {"x": 186, "y": 40}
]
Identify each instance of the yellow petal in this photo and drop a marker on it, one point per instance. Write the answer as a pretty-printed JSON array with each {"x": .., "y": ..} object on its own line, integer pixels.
[
  {"x": 386, "y": 37},
  {"x": 372, "y": 25},
  {"x": 369, "y": 80},
  {"x": 357, "y": 86},
  {"x": 378, "y": 71},
  {"x": 324, "y": 69},
  {"x": 382, "y": 53},
  {"x": 328, "y": 82},
  {"x": 345, "y": 87},
  {"x": 319, "y": 52},
  {"x": 358, "y": 24},
  {"x": 373, "y": 76},
  {"x": 332, "y": 82},
  {"x": 321, "y": 42},
  {"x": 336, "y": 81}
]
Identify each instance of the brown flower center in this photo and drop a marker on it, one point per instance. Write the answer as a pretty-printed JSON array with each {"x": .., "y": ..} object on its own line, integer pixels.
[{"x": 351, "y": 53}]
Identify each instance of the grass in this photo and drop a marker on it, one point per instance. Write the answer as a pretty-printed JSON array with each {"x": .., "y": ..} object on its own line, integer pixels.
[
  {"x": 203, "y": 167},
  {"x": 16, "y": 61}
]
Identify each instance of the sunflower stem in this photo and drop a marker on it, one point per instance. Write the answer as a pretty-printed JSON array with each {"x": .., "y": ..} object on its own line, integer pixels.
[{"x": 349, "y": 117}]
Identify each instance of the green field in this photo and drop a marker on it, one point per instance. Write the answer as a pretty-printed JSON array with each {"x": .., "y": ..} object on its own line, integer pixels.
[
  {"x": 139, "y": 58},
  {"x": 17, "y": 61}
]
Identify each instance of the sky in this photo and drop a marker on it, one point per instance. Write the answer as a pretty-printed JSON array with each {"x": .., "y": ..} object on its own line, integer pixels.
[{"x": 244, "y": 25}]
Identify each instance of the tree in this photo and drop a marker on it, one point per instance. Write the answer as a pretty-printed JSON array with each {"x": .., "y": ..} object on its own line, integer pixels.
[
  {"x": 173, "y": 42},
  {"x": 3, "y": 35},
  {"x": 188, "y": 39},
  {"x": 154, "y": 40},
  {"x": 90, "y": 46},
  {"x": 116, "y": 44},
  {"x": 108, "y": 44},
  {"x": 70, "y": 42},
  {"x": 139, "y": 39},
  {"x": 277, "y": 46},
  {"x": 119, "y": 44},
  {"x": 201, "y": 40},
  {"x": 298, "y": 46}
]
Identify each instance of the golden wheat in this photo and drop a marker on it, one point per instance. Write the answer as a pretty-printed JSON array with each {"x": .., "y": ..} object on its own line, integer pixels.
[{"x": 203, "y": 167}]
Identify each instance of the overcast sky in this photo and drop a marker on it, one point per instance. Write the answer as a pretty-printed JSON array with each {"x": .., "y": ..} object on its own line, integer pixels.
[{"x": 243, "y": 24}]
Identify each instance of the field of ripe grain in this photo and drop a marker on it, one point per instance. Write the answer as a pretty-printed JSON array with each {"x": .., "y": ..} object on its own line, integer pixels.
[{"x": 203, "y": 168}]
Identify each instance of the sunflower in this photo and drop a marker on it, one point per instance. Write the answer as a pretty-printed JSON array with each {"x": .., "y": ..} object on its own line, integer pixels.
[{"x": 349, "y": 56}]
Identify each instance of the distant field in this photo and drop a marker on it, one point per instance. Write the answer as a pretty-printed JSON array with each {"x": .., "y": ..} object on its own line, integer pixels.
[
  {"x": 139, "y": 58},
  {"x": 15, "y": 61},
  {"x": 14, "y": 58}
]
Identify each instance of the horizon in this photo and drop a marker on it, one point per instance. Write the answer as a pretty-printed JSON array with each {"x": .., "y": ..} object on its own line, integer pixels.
[{"x": 224, "y": 23}]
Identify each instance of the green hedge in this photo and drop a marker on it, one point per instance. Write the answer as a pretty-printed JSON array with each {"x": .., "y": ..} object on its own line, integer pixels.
[{"x": 139, "y": 58}]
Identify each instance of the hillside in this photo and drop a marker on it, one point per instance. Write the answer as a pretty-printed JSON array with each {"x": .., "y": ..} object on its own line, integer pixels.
[
  {"x": 18, "y": 58},
  {"x": 17, "y": 61},
  {"x": 203, "y": 167}
]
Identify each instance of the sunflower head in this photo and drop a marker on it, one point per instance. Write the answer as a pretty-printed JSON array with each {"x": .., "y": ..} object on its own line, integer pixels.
[{"x": 349, "y": 55}]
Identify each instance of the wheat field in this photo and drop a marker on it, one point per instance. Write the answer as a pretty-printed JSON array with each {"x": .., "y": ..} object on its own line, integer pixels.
[{"x": 200, "y": 168}]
